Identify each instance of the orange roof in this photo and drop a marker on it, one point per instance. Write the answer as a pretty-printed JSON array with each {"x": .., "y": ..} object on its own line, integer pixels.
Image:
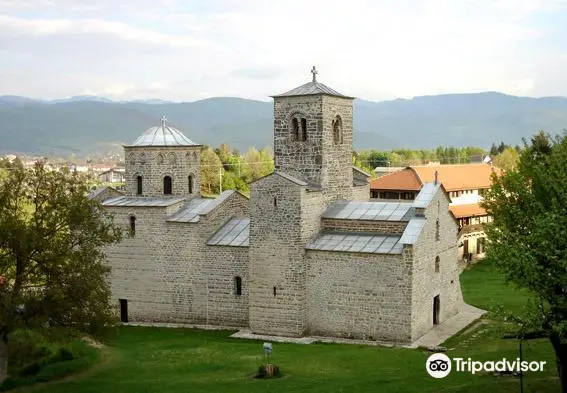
[
  {"x": 472, "y": 210},
  {"x": 453, "y": 177},
  {"x": 403, "y": 180}
]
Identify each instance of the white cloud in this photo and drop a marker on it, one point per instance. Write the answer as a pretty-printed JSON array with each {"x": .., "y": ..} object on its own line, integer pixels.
[{"x": 187, "y": 50}]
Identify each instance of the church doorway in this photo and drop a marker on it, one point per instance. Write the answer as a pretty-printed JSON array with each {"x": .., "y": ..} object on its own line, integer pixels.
[
  {"x": 123, "y": 310},
  {"x": 436, "y": 309}
]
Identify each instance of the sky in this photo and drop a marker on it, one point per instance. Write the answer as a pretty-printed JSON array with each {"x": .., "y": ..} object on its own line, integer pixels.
[{"x": 183, "y": 50}]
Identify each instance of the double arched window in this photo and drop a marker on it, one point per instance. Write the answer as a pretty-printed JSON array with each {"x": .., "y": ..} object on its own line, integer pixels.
[{"x": 298, "y": 128}]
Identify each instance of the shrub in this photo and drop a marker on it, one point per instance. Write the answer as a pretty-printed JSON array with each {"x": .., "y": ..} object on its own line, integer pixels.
[{"x": 30, "y": 370}]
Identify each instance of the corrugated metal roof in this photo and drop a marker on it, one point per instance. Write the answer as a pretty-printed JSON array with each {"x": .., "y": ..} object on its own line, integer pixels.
[
  {"x": 142, "y": 201},
  {"x": 163, "y": 135},
  {"x": 413, "y": 230},
  {"x": 198, "y": 207},
  {"x": 426, "y": 195},
  {"x": 311, "y": 88},
  {"x": 375, "y": 211},
  {"x": 339, "y": 242},
  {"x": 235, "y": 233}
]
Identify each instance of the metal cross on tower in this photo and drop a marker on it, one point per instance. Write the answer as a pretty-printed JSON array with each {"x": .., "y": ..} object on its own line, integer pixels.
[
  {"x": 163, "y": 120},
  {"x": 314, "y": 72}
]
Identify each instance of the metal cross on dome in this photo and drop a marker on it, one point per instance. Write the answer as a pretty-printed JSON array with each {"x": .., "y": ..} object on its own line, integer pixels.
[
  {"x": 163, "y": 120},
  {"x": 314, "y": 72}
]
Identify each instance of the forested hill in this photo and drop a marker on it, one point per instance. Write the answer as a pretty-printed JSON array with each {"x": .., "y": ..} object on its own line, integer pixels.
[{"x": 85, "y": 125}]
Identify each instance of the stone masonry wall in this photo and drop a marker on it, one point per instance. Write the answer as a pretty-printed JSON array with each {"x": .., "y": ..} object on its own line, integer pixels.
[
  {"x": 426, "y": 282},
  {"x": 361, "y": 193},
  {"x": 167, "y": 273},
  {"x": 283, "y": 216},
  {"x": 153, "y": 163},
  {"x": 355, "y": 295},
  {"x": 363, "y": 226}
]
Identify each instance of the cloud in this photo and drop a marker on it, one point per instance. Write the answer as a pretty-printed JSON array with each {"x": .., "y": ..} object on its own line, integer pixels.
[{"x": 367, "y": 48}]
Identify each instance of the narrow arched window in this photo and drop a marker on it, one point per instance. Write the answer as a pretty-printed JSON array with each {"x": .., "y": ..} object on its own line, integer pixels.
[
  {"x": 190, "y": 184},
  {"x": 160, "y": 159},
  {"x": 303, "y": 129},
  {"x": 437, "y": 236},
  {"x": 139, "y": 185},
  {"x": 275, "y": 292},
  {"x": 437, "y": 262},
  {"x": 294, "y": 129},
  {"x": 167, "y": 186},
  {"x": 238, "y": 286},
  {"x": 132, "y": 225},
  {"x": 337, "y": 130},
  {"x": 275, "y": 201}
]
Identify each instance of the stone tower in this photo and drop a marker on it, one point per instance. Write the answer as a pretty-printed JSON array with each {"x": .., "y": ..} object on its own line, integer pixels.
[
  {"x": 313, "y": 137},
  {"x": 163, "y": 162},
  {"x": 313, "y": 167}
]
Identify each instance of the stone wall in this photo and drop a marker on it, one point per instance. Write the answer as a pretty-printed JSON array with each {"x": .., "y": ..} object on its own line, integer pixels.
[
  {"x": 427, "y": 283},
  {"x": 153, "y": 163},
  {"x": 363, "y": 226},
  {"x": 167, "y": 272},
  {"x": 283, "y": 217},
  {"x": 365, "y": 296},
  {"x": 361, "y": 193}
]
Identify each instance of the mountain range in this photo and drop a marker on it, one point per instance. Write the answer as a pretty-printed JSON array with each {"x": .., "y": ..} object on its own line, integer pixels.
[{"x": 86, "y": 125}]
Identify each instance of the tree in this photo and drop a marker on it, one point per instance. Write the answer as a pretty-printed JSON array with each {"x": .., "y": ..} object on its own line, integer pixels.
[
  {"x": 527, "y": 240},
  {"x": 506, "y": 160},
  {"x": 51, "y": 254},
  {"x": 211, "y": 171}
]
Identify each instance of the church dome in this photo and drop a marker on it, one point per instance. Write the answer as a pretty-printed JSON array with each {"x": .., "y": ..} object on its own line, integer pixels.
[{"x": 163, "y": 135}]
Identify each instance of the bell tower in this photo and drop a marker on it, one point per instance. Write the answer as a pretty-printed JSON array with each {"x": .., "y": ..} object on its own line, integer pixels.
[{"x": 313, "y": 137}]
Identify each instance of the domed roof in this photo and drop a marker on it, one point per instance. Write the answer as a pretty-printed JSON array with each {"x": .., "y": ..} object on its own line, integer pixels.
[{"x": 163, "y": 135}]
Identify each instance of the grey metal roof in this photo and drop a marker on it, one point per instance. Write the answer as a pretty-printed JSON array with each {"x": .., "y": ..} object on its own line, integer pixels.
[
  {"x": 163, "y": 135},
  {"x": 234, "y": 233},
  {"x": 97, "y": 192},
  {"x": 426, "y": 195},
  {"x": 142, "y": 201},
  {"x": 340, "y": 242},
  {"x": 198, "y": 207},
  {"x": 413, "y": 230},
  {"x": 375, "y": 211},
  {"x": 311, "y": 88}
]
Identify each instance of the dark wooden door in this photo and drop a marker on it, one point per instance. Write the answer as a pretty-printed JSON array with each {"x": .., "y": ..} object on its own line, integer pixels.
[{"x": 123, "y": 310}]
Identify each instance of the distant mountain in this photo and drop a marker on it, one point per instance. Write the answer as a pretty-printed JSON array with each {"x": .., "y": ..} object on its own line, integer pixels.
[{"x": 86, "y": 124}]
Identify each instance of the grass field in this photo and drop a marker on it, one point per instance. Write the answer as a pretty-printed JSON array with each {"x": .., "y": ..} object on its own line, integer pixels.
[{"x": 178, "y": 360}]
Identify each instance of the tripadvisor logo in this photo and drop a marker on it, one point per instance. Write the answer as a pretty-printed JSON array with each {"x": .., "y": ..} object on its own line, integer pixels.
[{"x": 439, "y": 365}]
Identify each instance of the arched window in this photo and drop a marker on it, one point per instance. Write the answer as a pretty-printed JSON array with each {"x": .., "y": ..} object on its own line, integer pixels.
[
  {"x": 190, "y": 184},
  {"x": 167, "y": 186},
  {"x": 237, "y": 285},
  {"x": 437, "y": 230},
  {"x": 337, "y": 130},
  {"x": 437, "y": 261},
  {"x": 172, "y": 158},
  {"x": 132, "y": 225},
  {"x": 160, "y": 159},
  {"x": 275, "y": 292},
  {"x": 139, "y": 185},
  {"x": 142, "y": 158},
  {"x": 275, "y": 201},
  {"x": 132, "y": 159},
  {"x": 303, "y": 129},
  {"x": 294, "y": 129}
]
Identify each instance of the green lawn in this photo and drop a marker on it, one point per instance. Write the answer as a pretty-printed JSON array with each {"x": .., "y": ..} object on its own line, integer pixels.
[{"x": 178, "y": 360}]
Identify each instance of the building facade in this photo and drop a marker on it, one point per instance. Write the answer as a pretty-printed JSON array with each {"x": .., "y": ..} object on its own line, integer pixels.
[
  {"x": 465, "y": 184},
  {"x": 306, "y": 254}
]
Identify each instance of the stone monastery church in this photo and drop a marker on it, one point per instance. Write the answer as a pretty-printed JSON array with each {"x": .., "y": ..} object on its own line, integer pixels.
[{"x": 305, "y": 254}]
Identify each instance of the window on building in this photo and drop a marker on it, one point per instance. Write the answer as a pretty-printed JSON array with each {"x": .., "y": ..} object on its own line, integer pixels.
[
  {"x": 337, "y": 130},
  {"x": 167, "y": 186},
  {"x": 139, "y": 185},
  {"x": 437, "y": 225},
  {"x": 275, "y": 291},
  {"x": 303, "y": 129},
  {"x": 275, "y": 201},
  {"x": 132, "y": 225},
  {"x": 294, "y": 129},
  {"x": 238, "y": 286},
  {"x": 190, "y": 184},
  {"x": 437, "y": 262},
  {"x": 160, "y": 159}
]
